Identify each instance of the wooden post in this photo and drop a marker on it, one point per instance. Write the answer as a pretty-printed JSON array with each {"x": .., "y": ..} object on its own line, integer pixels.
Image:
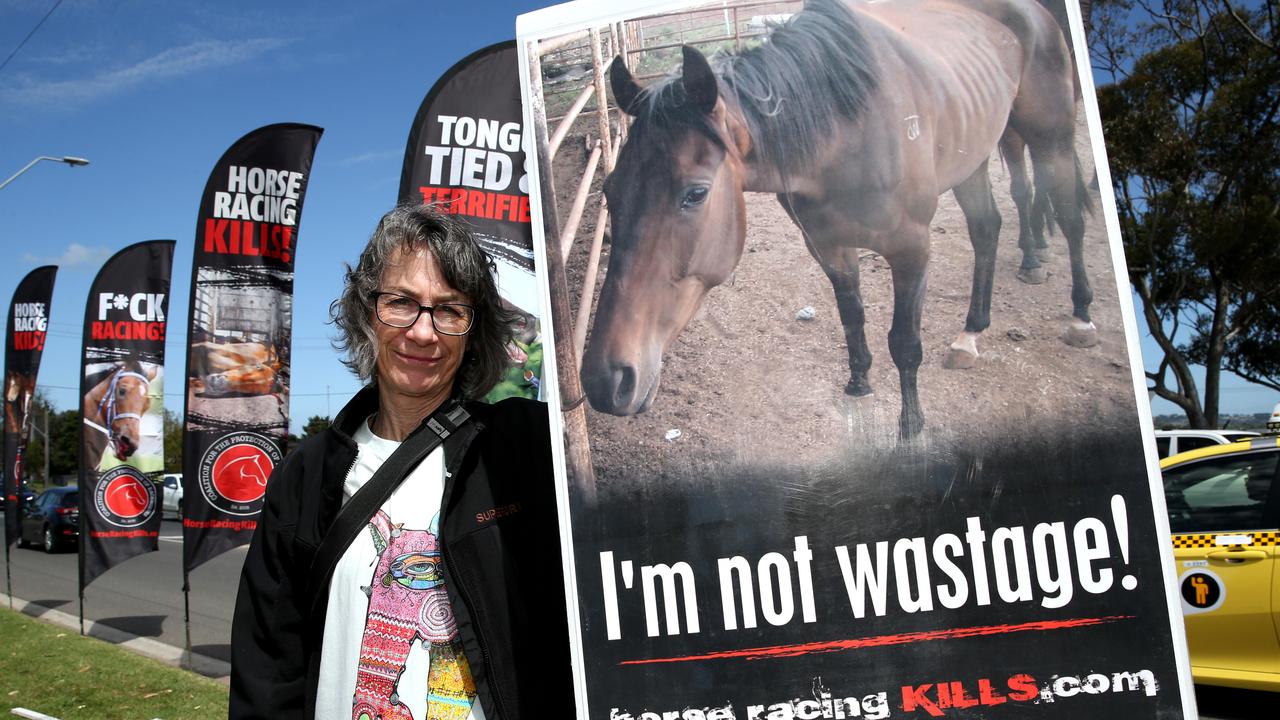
[{"x": 577, "y": 451}]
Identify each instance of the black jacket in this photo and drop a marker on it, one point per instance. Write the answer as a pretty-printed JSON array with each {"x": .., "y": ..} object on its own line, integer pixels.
[{"x": 501, "y": 552}]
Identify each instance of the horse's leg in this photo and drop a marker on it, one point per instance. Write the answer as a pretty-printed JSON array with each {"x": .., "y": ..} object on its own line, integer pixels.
[
  {"x": 841, "y": 268},
  {"x": 983, "y": 218},
  {"x": 1056, "y": 168},
  {"x": 1014, "y": 150},
  {"x": 845, "y": 282},
  {"x": 909, "y": 263}
]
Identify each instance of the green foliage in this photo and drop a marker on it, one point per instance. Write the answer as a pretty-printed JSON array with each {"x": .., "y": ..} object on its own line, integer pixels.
[
  {"x": 1194, "y": 150},
  {"x": 172, "y": 442},
  {"x": 316, "y": 424}
]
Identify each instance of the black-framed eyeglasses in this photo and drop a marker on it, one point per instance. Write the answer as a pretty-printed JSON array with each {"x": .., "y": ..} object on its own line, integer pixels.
[{"x": 401, "y": 312}]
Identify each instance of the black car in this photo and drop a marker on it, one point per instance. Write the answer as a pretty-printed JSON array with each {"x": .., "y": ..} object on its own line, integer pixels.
[{"x": 51, "y": 520}]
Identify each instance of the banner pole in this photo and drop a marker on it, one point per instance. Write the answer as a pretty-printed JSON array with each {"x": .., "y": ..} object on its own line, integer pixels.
[
  {"x": 8, "y": 575},
  {"x": 186, "y": 614}
]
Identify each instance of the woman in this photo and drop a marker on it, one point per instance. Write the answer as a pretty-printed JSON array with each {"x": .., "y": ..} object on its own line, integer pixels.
[{"x": 449, "y": 602}]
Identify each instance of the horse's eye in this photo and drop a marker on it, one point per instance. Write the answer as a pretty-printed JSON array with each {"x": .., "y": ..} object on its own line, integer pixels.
[{"x": 694, "y": 196}]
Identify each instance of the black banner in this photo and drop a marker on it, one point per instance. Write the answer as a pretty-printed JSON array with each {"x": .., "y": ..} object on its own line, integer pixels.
[
  {"x": 24, "y": 343},
  {"x": 239, "y": 336},
  {"x": 466, "y": 155},
  {"x": 122, "y": 395}
]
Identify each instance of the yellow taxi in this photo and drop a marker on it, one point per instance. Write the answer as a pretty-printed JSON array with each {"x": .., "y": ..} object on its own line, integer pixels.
[{"x": 1224, "y": 511}]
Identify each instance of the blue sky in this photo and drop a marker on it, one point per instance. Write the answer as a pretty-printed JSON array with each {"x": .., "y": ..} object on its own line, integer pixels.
[{"x": 153, "y": 93}]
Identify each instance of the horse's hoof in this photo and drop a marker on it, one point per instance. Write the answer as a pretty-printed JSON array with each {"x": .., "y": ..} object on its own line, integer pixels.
[
  {"x": 1033, "y": 276},
  {"x": 1081, "y": 334},
  {"x": 958, "y": 359},
  {"x": 1043, "y": 254},
  {"x": 910, "y": 426},
  {"x": 857, "y": 388}
]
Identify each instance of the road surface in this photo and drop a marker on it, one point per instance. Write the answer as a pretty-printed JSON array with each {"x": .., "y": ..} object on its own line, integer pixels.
[{"x": 142, "y": 596}]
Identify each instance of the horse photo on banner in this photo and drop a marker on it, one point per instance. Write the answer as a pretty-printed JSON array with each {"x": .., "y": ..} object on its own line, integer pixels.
[
  {"x": 122, "y": 393},
  {"x": 845, "y": 364}
]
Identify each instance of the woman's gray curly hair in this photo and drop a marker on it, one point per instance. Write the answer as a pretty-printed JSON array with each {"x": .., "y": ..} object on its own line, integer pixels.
[{"x": 466, "y": 267}]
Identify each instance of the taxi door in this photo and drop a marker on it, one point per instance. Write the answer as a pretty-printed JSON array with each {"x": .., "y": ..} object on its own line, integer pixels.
[{"x": 1222, "y": 512}]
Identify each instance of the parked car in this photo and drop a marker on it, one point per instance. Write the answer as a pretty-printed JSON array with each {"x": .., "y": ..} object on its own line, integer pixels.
[
  {"x": 171, "y": 497},
  {"x": 51, "y": 520},
  {"x": 1224, "y": 513},
  {"x": 1172, "y": 442}
]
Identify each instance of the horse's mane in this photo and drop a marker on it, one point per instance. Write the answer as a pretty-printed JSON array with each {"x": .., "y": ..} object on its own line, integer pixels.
[{"x": 813, "y": 71}]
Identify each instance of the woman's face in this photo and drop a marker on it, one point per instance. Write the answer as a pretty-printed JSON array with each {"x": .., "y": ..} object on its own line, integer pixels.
[{"x": 417, "y": 361}]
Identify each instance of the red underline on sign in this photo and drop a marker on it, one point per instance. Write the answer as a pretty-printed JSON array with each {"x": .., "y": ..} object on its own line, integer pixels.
[{"x": 781, "y": 651}]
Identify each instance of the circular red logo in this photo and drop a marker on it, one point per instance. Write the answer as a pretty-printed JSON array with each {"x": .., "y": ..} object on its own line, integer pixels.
[
  {"x": 234, "y": 470},
  {"x": 126, "y": 496},
  {"x": 240, "y": 473}
]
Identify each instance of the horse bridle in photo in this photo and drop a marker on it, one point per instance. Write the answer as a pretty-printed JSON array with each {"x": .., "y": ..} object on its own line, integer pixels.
[{"x": 107, "y": 405}]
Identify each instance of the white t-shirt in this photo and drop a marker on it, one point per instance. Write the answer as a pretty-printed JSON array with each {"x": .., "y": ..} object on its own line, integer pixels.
[{"x": 391, "y": 647}]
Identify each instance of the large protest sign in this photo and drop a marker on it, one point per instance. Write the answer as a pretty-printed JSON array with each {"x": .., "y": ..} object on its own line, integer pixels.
[
  {"x": 466, "y": 155},
  {"x": 122, "y": 392},
  {"x": 764, "y": 522},
  {"x": 240, "y": 334},
  {"x": 27, "y": 328}
]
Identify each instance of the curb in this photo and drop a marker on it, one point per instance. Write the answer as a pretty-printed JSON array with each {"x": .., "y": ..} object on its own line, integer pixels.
[{"x": 154, "y": 649}]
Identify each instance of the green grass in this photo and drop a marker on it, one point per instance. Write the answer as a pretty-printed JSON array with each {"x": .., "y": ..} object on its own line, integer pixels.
[{"x": 55, "y": 671}]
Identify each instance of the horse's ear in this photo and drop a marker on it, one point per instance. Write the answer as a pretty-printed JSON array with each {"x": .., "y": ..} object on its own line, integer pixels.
[
  {"x": 625, "y": 87},
  {"x": 699, "y": 80}
]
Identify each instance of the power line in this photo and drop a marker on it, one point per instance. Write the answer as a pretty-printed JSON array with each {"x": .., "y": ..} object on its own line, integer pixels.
[{"x": 28, "y": 37}]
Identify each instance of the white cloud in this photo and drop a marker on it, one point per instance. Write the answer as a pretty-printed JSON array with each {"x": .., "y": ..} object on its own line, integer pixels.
[
  {"x": 171, "y": 63},
  {"x": 75, "y": 254}
]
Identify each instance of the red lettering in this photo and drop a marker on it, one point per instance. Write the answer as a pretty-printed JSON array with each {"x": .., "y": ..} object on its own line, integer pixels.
[
  {"x": 286, "y": 243},
  {"x": 988, "y": 695},
  {"x": 215, "y": 239},
  {"x": 235, "y": 238},
  {"x": 524, "y": 210},
  {"x": 247, "y": 246},
  {"x": 959, "y": 698},
  {"x": 915, "y": 697},
  {"x": 1023, "y": 687},
  {"x": 29, "y": 340}
]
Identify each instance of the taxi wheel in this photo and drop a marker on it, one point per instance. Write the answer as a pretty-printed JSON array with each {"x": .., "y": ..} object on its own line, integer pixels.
[{"x": 50, "y": 541}]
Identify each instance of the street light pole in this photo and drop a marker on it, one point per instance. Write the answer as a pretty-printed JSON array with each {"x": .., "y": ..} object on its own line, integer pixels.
[{"x": 69, "y": 160}]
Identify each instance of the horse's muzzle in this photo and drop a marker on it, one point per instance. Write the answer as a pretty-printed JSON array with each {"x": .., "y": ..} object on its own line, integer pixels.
[{"x": 617, "y": 388}]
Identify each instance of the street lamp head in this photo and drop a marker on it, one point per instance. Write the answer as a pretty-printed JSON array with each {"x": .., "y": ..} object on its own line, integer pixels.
[{"x": 74, "y": 160}]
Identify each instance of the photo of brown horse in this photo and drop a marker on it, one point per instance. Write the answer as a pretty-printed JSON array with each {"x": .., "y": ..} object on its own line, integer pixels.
[
  {"x": 856, "y": 117},
  {"x": 19, "y": 388},
  {"x": 114, "y": 409}
]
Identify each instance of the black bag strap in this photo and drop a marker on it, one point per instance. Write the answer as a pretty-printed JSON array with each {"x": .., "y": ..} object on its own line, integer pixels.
[{"x": 356, "y": 513}]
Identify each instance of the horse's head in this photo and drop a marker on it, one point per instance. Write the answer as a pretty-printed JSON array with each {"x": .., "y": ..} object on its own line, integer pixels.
[
  {"x": 678, "y": 228},
  {"x": 129, "y": 400}
]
